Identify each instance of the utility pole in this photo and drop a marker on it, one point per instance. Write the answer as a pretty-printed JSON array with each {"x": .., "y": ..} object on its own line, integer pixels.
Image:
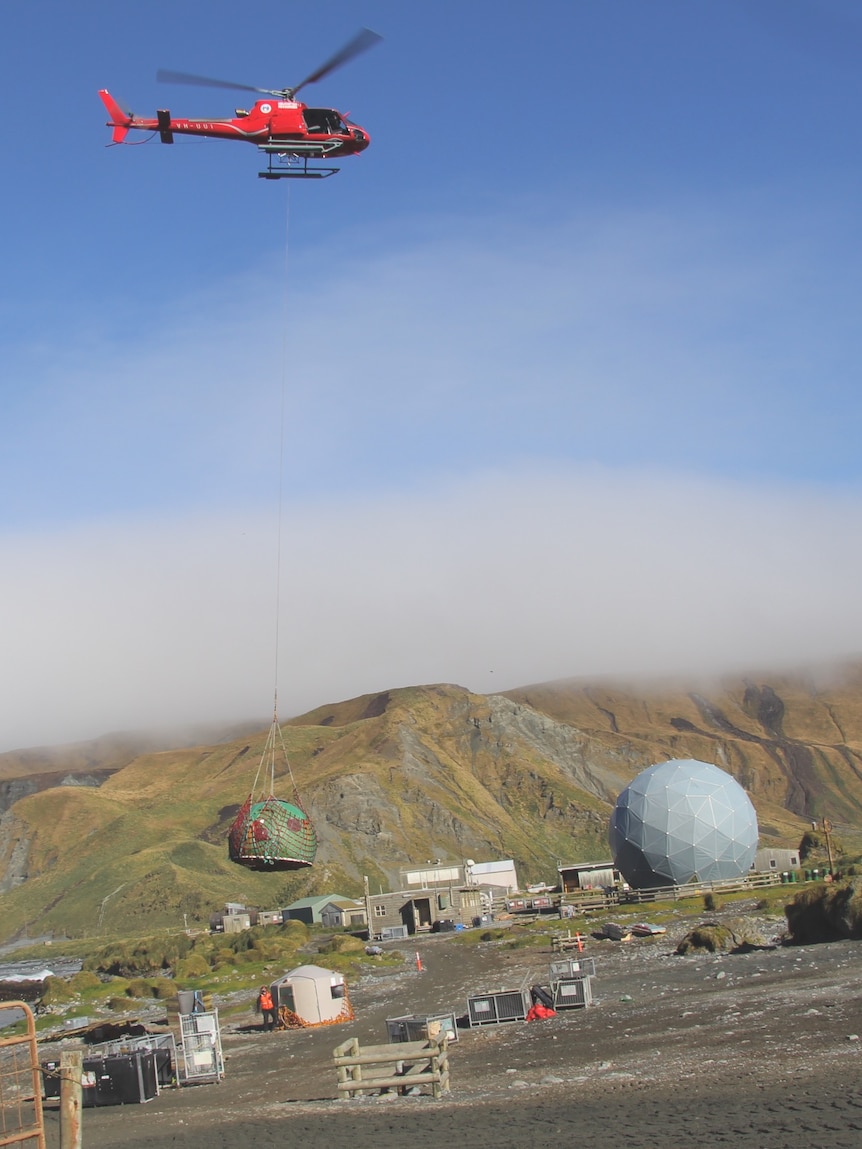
[
  {"x": 826, "y": 827},
  {"x": 368, "y": 908}
]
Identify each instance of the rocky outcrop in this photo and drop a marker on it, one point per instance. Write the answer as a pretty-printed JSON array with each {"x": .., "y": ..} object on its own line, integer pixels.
[{"x": 14, "y": 852}]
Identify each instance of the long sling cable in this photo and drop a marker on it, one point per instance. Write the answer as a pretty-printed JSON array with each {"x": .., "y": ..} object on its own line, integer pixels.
[{"x": 269, "y": 832}]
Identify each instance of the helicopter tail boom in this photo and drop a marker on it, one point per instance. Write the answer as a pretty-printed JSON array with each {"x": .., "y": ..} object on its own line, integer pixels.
[{"x": 120, "y": 120}]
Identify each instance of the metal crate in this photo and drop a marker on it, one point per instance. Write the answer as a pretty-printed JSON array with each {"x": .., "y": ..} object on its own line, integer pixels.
[
  {"x": 494, "y": 1008},
  {"x": 427, "y": 1027},
  {"x": 119, "y": 1079},
  {"x": 572, "y": 967},
  {"x": 163, "y": 1046},
  {"x": 389, "y": 933},
  {"x": 572, "y": 993}
]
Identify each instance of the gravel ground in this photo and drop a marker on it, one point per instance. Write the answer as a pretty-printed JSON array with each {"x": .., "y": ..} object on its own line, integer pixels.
[{"x": 756, "y": 1049}]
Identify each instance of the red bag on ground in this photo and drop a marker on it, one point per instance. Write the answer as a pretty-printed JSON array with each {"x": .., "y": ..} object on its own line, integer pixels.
[{"x": 539, "y": 1012}]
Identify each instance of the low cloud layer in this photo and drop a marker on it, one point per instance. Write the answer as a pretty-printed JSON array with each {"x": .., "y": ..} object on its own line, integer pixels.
[
  {"x": 621, "y": 442},
  {"x": 493, "y": 582}
]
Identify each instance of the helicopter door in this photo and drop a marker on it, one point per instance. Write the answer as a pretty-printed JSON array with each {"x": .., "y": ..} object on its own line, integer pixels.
[{"x": 323, "y": 121}]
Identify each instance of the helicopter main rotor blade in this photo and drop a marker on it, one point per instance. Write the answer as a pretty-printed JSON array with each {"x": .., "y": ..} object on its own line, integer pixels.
[
  {"x": 168, "y": 77},
  {"x": 361, "y": 42}
]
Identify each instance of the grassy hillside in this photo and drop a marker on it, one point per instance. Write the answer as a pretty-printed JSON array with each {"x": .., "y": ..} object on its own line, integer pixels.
[{"x": 395, "y": 778}]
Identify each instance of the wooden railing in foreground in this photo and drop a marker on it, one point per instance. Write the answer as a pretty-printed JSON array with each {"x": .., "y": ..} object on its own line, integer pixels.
[{"x": 401, "y": 1066}]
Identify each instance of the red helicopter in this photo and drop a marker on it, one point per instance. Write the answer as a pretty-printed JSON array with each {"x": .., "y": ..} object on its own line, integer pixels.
[{"x": 289, "y": 132}]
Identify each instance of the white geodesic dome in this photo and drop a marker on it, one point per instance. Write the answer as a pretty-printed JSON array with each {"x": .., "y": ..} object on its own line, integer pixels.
[{"x": 682, "y": 821}]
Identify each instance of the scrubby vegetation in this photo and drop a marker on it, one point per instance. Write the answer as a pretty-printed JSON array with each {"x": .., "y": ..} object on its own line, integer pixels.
[
  {"x": 734, "y": 935},
  {"x": 342, "y": 944},
  {"x": 157, "y": 967},
  {"x": 826, "y": 912},
  {"x": 188, "y": 958}
]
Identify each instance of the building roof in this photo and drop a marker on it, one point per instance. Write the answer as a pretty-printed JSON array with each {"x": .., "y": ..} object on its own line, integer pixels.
[{"x": 317, "y": 902}]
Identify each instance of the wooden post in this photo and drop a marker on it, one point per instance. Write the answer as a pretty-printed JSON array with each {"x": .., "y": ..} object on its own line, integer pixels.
[
  {"x": 71, "y": 1068},
  {"x": 435, "y": 1069}
]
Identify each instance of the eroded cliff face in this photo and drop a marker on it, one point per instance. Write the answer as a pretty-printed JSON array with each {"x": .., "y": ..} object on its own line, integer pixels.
[
  {"x": 794, "y": 743},
  {"x": 455, "y": 774},
  {"x": 14, "y": 851},
  {"x": 15, "y": 788}
]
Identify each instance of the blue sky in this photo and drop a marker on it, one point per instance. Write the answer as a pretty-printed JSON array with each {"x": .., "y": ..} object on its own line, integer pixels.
[{"x": 569, "y": 355}]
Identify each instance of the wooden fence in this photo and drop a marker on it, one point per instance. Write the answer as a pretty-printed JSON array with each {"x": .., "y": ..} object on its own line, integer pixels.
[
  {"x": 400, "y": 1066},
  {"x": 581, "y": 901},
  {"x": 564, "y": 940},
  {"x": 697, "y": 889}
]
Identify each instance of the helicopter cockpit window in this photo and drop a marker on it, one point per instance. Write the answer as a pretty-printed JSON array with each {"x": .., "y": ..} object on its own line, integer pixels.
[{"x": 324, "y": 121}]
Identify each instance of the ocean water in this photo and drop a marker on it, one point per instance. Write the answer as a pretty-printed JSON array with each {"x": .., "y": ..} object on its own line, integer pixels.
[
  {"x": 17, "y": 971},
  {"x": 25, "y": 970}
]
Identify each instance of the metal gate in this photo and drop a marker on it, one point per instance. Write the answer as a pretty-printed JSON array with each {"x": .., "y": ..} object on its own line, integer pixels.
[{"x": 20, "y": 1083}]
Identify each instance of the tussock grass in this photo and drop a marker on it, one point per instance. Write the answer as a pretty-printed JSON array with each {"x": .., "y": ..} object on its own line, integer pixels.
[
  {"x": 707, "y": 938},
  {"x": 342, "y": 944},
  {"x": 826, "y": 912}
]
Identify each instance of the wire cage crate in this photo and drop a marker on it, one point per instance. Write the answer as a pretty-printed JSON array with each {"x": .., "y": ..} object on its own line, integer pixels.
[
  {"x": 579, "y": 966},
  {"x": 572, "y": 992},
  {"x": 422, "y": 1027},
  {"x": 494, "y": 1008}
]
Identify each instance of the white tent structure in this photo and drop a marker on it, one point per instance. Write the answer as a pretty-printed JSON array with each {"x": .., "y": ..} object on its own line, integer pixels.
[{"x": 311, "y": 995}]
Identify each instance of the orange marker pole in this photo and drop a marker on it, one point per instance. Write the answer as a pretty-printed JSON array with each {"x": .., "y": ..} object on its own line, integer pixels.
[
  {"x": 580, "y": 943},
  {"x": 418, "y": 962}
]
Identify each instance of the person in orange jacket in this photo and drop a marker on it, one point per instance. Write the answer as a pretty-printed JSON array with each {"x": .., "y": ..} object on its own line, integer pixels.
[{"x": 267, "y": 1008}]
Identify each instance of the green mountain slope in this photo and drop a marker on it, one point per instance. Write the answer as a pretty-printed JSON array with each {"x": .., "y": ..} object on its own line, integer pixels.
[{"x": 395, "y": 778}]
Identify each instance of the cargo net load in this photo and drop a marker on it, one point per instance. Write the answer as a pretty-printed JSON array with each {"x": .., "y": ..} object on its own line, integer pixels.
[{"x": 270, "y": 833}]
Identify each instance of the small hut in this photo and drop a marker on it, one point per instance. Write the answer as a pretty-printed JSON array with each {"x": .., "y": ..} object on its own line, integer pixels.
[{"x": 311, "y": 995}]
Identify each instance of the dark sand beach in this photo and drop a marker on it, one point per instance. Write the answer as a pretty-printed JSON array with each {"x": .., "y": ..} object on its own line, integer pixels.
[{"x": 756, "y": 1049}]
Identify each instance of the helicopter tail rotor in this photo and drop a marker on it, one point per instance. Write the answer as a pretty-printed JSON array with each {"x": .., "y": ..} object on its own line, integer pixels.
[{"x": 121, "y": 118}]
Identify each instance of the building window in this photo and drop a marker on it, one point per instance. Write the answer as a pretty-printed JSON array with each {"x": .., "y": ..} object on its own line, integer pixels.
[{"x": 380, "y": 911}]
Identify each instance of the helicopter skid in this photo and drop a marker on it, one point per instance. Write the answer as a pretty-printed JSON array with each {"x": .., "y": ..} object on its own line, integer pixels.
[{"x": 288, "y": 166}]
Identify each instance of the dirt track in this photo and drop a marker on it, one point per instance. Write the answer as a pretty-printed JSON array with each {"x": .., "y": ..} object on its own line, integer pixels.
[{"x": 759, "y": 1049}]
